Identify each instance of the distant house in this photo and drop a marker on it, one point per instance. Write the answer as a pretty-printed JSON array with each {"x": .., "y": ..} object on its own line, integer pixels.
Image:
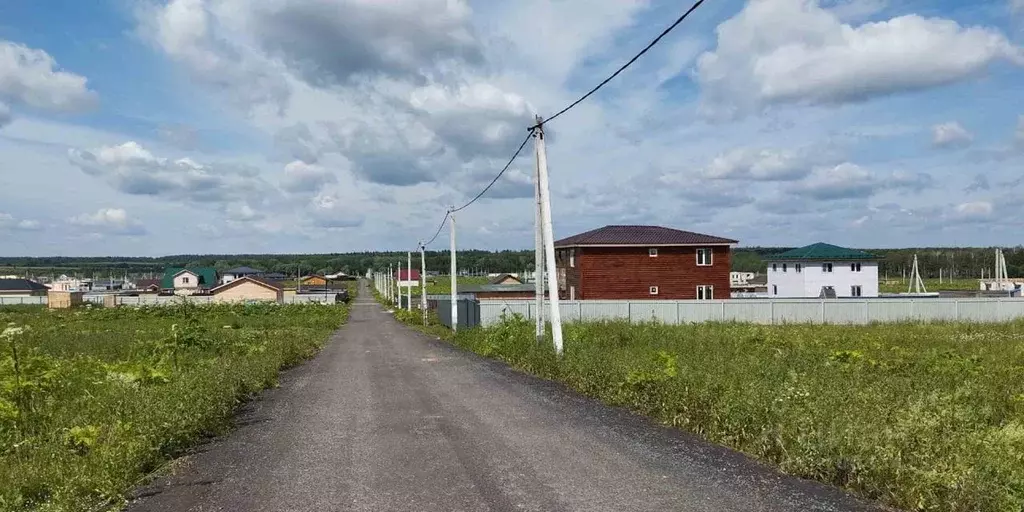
[
  {"x": 823, "y": 270},
  {"x": 239, "y": 272},
  {"x": 249, "y": 288},
  {"x": 643, "y": 262},
  {"x": 107, "y": 285},
  {"x": 147, "y": 285},
  {"x": 71, "y": 284},
  {"x": 189, "y": 281},
  {"x": 314, "y": 281},
  {"x": 408, "y": 278},
  {"x": 505, "y": 279},
  {"x": 754, "y": 286},
  {"x": 21, "y": 288}
]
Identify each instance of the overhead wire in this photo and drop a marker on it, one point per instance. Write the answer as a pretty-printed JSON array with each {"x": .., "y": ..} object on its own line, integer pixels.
[
  {"x": 572, "y": 105},
  {"x": 623, "y": 67}
]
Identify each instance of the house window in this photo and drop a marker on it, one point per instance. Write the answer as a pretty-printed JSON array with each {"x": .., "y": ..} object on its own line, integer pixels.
[
  {"x": 572, "y": 293},
  {"x": 826, "y": 267},
  {"x": 775, "y": 289},
  {"x": 654, "y": 290},
  {"x": 855, "y": 291},
  {"x": 775, "y": 267},
  {"x": 784, "y": 267},
  {"x": 854, "y": 267},
  {"x": 705, "y": 292},
  {"x": 572, "y": 259},
  {"x": 798, "y": 267},
  {"x": 184, "y": 280},
  {"x": 652, "y": 253},
  {"x": 704, "y": 257}
]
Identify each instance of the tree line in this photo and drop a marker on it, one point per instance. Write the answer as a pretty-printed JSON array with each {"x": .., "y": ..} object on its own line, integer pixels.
[{"x": 961, "y": 263}]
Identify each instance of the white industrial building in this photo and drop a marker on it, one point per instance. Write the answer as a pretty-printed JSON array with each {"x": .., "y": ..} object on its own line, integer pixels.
[{"x": 823, "y": 270}]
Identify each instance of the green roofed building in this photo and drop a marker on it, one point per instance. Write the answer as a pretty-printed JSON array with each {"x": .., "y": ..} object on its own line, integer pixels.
[
  {"x": 823, "y": 270},
  {"x": 189, "y": 281}
]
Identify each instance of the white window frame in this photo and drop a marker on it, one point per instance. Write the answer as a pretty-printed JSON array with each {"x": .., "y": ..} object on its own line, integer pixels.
[
  {"x": 775, "y": 289},
  {"x": 775, "y": 267},
  {"x": 856, "y": 291},
  {"x": 798, "y": 267},
  {"x": 854, "y": 267},
  {"x": 653, "y": 290},
  {"x": 826, "y": 268},
  {"x": 184, "y": 280},
  {"x": 784, "y": 267},
  {"x": 652, "y": 252},
  {"x": 707, "y": 290},
  {"x": 709, "y": 256},
  {"x": 572, "y": 258}
]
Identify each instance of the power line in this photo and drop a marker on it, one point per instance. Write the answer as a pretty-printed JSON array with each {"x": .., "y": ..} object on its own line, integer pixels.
[
  {"x": 495, "y": 180},
  {"x": 624, "y": 66},
  {"x": 482, "y": 192}
]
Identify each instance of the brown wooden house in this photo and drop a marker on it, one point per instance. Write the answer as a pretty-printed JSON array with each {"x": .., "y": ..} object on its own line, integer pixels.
[{"x": 643, "y": 262}]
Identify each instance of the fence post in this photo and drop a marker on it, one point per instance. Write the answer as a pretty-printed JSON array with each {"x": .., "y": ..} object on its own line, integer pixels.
[
  {"x": 956, "y": 306},
  {"x": 723, "y": 312},
  {"x": 822, "y": 311},
  {"x": 771, "y": 310}
]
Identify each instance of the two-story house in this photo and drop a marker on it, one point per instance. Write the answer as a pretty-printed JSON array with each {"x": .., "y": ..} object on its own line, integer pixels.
[
  {"x": 189, "y": 281},
  {"x": 643, "y": 262},
  {"x": 823, "y": 270}
]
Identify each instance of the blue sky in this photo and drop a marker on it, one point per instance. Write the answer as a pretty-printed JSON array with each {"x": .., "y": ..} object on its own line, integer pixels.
[{"x": 148, "y": 127}]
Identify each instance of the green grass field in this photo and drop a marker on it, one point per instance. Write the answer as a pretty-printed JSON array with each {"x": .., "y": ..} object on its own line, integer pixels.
[
  {"x": 933, "y": 285},
  {"x": 441, "y": 285},
  {"x": 921, "y": 417},
  {"x": 93, "y": 399}
]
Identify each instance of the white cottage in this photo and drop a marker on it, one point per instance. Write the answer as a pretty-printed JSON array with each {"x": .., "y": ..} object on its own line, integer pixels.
[{"x": 823, "y": 270}]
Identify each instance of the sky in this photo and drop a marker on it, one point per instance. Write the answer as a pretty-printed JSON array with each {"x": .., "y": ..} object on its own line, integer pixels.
[{"x": 154, "y": 127}]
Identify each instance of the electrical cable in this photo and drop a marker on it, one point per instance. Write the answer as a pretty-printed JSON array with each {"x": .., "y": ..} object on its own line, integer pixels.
[{"x": 624, "y": 66}]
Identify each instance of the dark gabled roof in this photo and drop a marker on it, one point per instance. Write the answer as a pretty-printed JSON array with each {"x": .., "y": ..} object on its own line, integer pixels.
[
  {"x": 207, "y": 276},
  {"x": 142, "y": 284},
  {"x": 20, "y": 285},
  {"x": 640, "y": 235},
  {"x": 822, "y": 251},
  {"x": 265, "y": 282},
  {"x": 243, "y": 271}
]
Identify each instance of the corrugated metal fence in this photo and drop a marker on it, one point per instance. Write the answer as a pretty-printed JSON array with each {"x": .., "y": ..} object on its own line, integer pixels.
[
  {"x": 160, "y": 300},
  {"x": 775, "y": 311}
]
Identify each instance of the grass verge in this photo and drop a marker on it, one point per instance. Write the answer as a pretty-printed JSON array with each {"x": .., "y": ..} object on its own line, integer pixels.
[
  {"x": 920, "y": 417},
  {"x": 92, "y": 399}
]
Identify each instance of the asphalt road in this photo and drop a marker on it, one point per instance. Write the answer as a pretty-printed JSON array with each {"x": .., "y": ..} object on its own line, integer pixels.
[{"x": 386, "y": 419}]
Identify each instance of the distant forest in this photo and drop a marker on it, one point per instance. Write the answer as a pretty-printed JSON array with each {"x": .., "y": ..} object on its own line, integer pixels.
[{"x": 954, "y": 262}]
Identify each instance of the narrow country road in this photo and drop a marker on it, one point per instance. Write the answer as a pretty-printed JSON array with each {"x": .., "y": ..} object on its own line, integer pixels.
[{"x": 386, "y": 419}]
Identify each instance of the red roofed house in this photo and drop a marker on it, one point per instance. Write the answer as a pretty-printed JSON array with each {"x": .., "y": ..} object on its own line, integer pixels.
[
  {"x": 643, "y": 262},
  {"x": 408, "y": 278}
]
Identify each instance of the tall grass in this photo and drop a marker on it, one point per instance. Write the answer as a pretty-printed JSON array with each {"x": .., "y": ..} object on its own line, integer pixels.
[
  {"x": 921, "y": 417},
  {"x": 92, "y": 399}
]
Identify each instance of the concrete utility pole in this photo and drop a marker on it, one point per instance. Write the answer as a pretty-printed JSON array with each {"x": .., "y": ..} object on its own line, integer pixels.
[
  {"x": 398, "y": 284},
  {"x": 391, "y": 290},
  {"x": 408, "y": 281},
  {"x": 423, "y": 282},
  {"x": 538, "y": 256},
  {"x": 454, "y": 277},
  {"x": 549, "y": 241}
]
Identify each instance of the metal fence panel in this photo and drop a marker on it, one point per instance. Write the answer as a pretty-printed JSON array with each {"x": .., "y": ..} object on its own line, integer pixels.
[
  {"x": 699, "y": 312},
  {"x": 845, "y": 312},
  {"x": 22, "y": 301},
  {"x": 665, "y": 312},
  {"x": 789, "y": 312},
  {"x": 936, "y": 310},
  {"x": 597, "y": 310},
  {"x": 752, "y": 311}
]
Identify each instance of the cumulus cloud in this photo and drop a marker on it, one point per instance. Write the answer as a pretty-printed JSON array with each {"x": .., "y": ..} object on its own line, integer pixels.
[
  {"x": 302, "y": 177},
  {"x": 344, "y": 40},
  {"x": 851, "y": 181},
  {"x": 5, "y": 114},
  {"x": 132, "y": 169},
  {"x": 974, "y": 211},
  {"x": 1017, "y": 6},
  {"x": 951, "y": 135},
  {"x": 793, "y": 51},
  {"x": 330, "y": 211},
  {"x": 760, "y": 165},
  {"x": 109, "y": 221},
  {"x": 980, "y": 182},
  {"x": 30, "y": 77},
  {"x": 9, "y": 223}
]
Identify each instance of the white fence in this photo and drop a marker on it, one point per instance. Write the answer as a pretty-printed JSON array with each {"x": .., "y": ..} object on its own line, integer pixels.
[
  {"x": 162, "y": 300},
  {"x": 774, "y": 311}
]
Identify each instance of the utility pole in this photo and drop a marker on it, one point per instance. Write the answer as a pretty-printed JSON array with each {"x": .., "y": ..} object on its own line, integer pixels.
[
  {"x": 390, "y": 293},
  {"x": 423, "y": 282},
  {"x": 549, "y": 241},
  {"x": 454, "y": 278},
  {"x": 538, "y": 256},
  {"x": 398, "y": 284},
  {"x": 408, "y": 281}
]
